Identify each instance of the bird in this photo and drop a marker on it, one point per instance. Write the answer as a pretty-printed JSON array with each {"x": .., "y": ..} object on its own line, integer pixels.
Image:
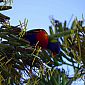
[
  {"x": 41, "y": 36},
  {"x": 37, "y": 35}
]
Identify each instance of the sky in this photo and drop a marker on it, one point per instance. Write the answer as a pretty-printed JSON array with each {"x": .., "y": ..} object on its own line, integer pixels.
[{"x": 38, "y": 11}]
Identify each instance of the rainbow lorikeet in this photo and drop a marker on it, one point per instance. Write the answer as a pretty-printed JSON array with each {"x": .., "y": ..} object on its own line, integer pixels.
[{"x": 35, "y": 35}]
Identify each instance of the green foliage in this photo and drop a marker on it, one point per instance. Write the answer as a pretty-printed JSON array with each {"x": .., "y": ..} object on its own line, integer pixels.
[{"x": 7, "y": 2}]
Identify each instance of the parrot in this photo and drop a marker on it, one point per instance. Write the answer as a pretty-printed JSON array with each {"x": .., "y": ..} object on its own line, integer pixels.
[{"x": 35, "y": 35}]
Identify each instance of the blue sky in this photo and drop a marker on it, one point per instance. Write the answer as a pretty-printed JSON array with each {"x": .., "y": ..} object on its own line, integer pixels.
[{"x": 38, "y": 11}]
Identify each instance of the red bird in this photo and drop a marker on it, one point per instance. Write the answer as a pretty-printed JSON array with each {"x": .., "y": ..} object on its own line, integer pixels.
[{"x": 35, "y": 35}]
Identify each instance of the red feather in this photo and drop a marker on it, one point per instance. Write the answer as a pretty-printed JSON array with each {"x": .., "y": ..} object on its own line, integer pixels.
[{"x": 42, "y": 37}]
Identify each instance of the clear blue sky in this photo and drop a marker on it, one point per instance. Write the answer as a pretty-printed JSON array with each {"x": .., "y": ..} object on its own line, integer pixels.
[{"x": 38, "y": 11}]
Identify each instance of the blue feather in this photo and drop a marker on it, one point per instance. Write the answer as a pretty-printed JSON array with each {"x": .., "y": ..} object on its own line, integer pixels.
[
  {"x": 54, "y": 47},
  {"x": 31, "y": 37}
]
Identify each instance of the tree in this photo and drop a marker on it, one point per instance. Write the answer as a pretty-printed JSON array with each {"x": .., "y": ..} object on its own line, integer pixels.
[{"x": 21, "y": 63}]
